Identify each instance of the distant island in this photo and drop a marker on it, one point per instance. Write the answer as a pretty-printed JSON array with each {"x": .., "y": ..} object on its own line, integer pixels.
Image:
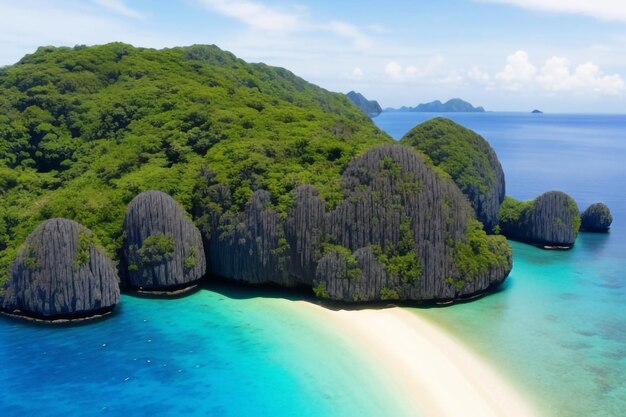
[
  {"x": 369, "y": 107},
  {"x": 536, "y": 111},
  {"x": 454, "y": 105}
]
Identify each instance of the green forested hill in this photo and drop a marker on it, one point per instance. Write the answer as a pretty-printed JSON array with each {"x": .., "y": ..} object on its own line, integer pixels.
[{"x": 84, "y": 129}]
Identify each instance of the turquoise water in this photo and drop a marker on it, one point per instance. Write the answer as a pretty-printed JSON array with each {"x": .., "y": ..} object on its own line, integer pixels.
[
  {"x": 209, "y": 354},
  {"x": 557, "y": 328}
]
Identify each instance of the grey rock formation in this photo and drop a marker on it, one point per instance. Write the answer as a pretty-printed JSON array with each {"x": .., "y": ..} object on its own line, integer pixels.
[
  {"x": 468, "y": 158},
  {"x": 60, "y": 273},
  {"x": 400, "y": 233},
  {"x": 596, "y": 218},
  {"x": 305, "y": 231},
  {"x": 251, "y": 246},
  {"x": 403, "y": 225},
  {"x": 551, "y": 220},
  {"x": 163, "y": 249}
]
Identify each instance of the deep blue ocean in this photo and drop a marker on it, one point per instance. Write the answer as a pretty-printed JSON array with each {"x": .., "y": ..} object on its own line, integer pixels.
[{"x": 556, "y": 330}]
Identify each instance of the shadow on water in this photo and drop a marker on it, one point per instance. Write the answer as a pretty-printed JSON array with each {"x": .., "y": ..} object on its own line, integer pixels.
[
  {"x": 245, "y": 291},
  {"x": 61, "y": 321}
]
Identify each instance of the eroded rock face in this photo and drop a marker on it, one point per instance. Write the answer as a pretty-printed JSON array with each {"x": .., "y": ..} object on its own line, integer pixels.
[
  {"x": 59, "y": 272},
  {"x": 251, "y": 246},
  {"x": 163, "y": 249},
  {"x": 405, "y": 230},
  {"x": 468, "y": 159},
  {"x": 401, "y": 232},
  {"x": 551, "y": 220},
  {"x": 596, "y": 218},
  {"x": 305, "y": 230}
]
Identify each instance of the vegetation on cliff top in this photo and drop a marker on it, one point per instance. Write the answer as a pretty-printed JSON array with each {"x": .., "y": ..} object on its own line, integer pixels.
[
  {"x": 551, "y": 219},
  {"x": 468, "y": 159}
]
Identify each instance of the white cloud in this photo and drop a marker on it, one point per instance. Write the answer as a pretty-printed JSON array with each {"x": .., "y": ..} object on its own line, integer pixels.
[
  {"x": 557, "y": 76},
  {"x": 517, "y": 72},
  {"x": 119, "y": 7},
  {"x": 599, "y": 9},
  {"x": 478, "y": 75},
  {"x": 256, "y": 15},
  {"x": 356, "y": 74},
  {"x": 430, "y": 69},
  {"x": 349, "y": 31}
]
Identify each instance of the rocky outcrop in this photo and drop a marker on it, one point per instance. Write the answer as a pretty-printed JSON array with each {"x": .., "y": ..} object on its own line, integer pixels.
[
  {"x": 163, "y": 249},
  {"x": 551, "y": 220},
  {"x": 401, "y": 232},
  {"x": 404, "y": 228},
  {"x": 59, "y": 272},
  {"x": 468, "y": 159},
  {"x": 596, "y": 218},
  {"x": 369, "y": 107},
  {"x": 251, "y": 246},
  {"x": 305, "y": 231}
]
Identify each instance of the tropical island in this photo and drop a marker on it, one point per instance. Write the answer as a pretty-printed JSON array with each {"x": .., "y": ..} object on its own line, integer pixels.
[
  {"x": 455, "y": 105},
  {"x": 262, "y": 178}
]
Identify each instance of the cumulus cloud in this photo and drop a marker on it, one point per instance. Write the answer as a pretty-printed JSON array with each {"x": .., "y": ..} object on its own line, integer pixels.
[
  {"x": 517, "y": 72},
  {"x": 477, "y": 75},
  {"x": 430, "y": 69},
  {"x": 356, "y": 74},
  {"x": 557, "y": 76},
  {"x": 599, "y": 9}
]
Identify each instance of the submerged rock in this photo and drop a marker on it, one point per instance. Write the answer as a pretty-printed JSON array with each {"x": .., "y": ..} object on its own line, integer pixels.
[
  {"x": 596, "y": 218},
  {"x": 468, "y": 159},
  {"x": 551, "y": 220},
  {"x": 163, "y": 249},
  {"x": 60, "y": 273}
]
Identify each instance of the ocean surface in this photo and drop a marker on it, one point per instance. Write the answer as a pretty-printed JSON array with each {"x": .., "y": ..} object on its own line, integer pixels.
[{"x": 557, "y": 328}]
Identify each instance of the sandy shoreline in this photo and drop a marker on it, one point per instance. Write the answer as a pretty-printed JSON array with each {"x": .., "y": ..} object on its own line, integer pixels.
[{"x": 438, "y": 374}]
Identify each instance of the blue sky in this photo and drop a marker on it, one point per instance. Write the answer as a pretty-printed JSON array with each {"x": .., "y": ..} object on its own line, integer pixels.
[{"x": 556, "y": 55}]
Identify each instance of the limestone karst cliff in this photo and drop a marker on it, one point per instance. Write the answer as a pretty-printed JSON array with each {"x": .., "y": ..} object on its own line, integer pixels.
[
  {"x": 60, "y": 273},
  {"x": 162, "y": 247},
  {"x": 468, "y": 159},
  {"x": 596, "y": 218},
  {"x": 400, "y": 232},
  {"x": 550, "y": 220}
]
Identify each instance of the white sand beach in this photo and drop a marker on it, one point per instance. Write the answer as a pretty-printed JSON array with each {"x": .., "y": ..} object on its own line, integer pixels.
[{"x": 438, "y": 374}]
